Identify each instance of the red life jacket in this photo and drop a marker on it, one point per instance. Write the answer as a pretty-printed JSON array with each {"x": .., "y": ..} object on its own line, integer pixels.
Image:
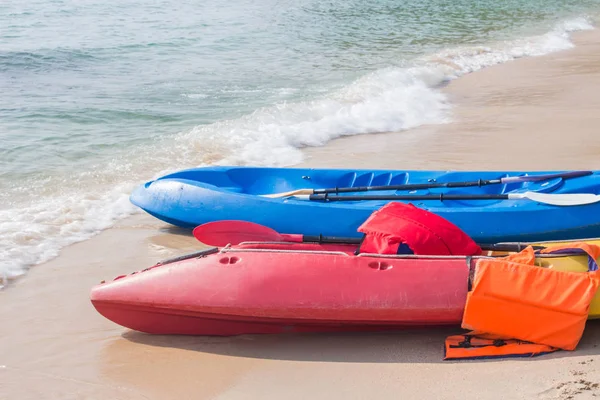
[{"x": 425, "y": 233}]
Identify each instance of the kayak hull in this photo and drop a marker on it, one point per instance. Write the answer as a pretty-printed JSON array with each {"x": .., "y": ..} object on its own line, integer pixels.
[
  {"x": 143, "y": 319},
  {"x": 192, "y": 197},
  {"x": 240, "y": 291},
  {"x": 272, "y": 288}
]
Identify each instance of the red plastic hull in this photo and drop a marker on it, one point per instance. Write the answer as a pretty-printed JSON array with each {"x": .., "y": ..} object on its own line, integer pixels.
[{"x": 245, "y": 291}]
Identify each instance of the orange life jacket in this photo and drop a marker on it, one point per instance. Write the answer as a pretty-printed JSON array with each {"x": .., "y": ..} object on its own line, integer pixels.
[
  {"x": 480, "y": 345},
  {"x": 542, "y": 308}
]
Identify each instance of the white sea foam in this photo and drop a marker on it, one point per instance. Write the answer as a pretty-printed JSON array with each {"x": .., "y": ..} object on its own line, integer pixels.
[
  {"x": 387, "y": 100},
  {"x": 34, "y": 233},
  {"x": 462, "y": 60},
  {"x": 195, "y": 95},
  {"x": 390, "y": 99}
]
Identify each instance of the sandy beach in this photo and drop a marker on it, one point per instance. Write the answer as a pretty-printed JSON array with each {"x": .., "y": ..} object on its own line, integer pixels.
[{"x": 533, "y": 113}]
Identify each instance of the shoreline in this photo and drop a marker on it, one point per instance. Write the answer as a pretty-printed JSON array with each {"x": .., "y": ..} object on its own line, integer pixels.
[
  {"x": 490, "y": 108},
  {"x": 57, "y": 346}
]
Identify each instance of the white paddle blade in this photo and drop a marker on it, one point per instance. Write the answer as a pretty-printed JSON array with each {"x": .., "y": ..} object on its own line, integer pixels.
[
  {"x": 564, "y": 199},
  {"x": 288, "y": 194},
  {"x": 301, "y": 197}
]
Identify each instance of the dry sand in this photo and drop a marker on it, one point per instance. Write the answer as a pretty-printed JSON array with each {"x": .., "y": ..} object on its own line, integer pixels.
[{"x": 536, "y": 113}]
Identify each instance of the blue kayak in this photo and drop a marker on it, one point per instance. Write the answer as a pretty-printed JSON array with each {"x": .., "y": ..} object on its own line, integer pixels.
[{"x": 195, "y": 196}]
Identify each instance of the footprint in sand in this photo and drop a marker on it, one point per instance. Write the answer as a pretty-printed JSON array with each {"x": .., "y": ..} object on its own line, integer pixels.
[{"x": 581, "y": 387}]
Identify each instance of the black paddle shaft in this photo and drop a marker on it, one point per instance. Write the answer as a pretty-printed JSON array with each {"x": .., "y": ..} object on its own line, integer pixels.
[
  {"x": 441, "y": 197},
  {"x": 349, "y": 240},
  {"x": 409, "y": 186},
  {"x": 432, "y": 185},
  {"x": 330, "y": 239}
]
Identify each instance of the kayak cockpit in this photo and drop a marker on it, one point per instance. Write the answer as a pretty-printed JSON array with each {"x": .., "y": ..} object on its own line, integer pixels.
[{"x": 259, "y": 181}]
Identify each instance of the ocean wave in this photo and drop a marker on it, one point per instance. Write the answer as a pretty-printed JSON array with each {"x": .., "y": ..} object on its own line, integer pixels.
[
  {"x": 35, "y": 233},
  {"x": 387, "y": 100},
  {"x": 45, "y": 60},
  {"x": 75, "y": 59},
  {"x": 461, "y": 60}
]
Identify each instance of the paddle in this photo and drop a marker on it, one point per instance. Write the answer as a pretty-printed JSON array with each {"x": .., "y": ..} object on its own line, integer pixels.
[
  {"x": 222, "y": 233},
  {"x": 417, "y": 186},
  {"x": 559, "y": 199}
]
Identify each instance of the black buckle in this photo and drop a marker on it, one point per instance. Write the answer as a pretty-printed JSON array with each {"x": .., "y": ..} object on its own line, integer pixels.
[{"x": 465, "y": 344}]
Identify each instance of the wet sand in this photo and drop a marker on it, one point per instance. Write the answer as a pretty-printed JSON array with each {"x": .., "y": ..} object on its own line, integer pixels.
[{"x": 535, "y": 113}]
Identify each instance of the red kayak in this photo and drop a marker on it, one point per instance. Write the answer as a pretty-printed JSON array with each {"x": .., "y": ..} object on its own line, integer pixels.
[{"x": 287, "y": 287}]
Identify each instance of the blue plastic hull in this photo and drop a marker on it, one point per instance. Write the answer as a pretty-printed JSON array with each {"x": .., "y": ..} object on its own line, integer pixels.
[{"x": 192, "y": 197}]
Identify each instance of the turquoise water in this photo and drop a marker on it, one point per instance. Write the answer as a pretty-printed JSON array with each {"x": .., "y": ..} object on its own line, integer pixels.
[{"x": 99, "y": 96}]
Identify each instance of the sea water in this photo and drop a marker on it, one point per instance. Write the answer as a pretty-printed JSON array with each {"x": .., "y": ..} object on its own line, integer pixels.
[{"x": 99, "y": 96}]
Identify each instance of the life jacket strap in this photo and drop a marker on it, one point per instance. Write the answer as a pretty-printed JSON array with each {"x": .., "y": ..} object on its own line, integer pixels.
[{"x": 466, "y": 343}]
